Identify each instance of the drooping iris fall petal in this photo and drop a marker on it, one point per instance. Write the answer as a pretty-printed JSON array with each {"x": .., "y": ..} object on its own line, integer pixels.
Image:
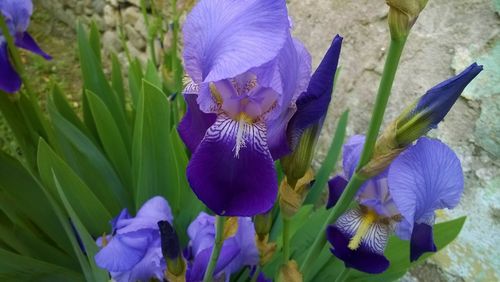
[
  {"x": 229, "y": 185},
  {"x": 426, "y": 177}
]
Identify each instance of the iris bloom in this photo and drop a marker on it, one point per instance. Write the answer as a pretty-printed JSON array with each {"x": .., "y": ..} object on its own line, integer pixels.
[
  {"x": 237, "y": 251},
  {"x": 402, "y": 199},
  {"x": 17, "y": 15},
  {"x": 133, "y": 251},
  {"x": 246, "y": 72}
]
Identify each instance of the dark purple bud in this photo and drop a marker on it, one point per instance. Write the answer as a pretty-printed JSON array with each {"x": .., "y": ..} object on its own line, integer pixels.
[
  {"x": 305, "y": 126},
  {"x": 171, "y": 249},
  {"x": 170, "y": 246}
]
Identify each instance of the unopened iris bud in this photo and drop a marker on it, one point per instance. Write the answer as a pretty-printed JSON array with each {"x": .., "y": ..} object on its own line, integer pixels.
[
  {"x": 296, "y": 164},
  {"x": 431, "y": 108},
  {"x": 402, "y": 16},
  {"x": 312, "y": 106},
  {"x": 417, "y": 119},
  {"x": 263, "y": 224},
  {"x": 170, "y": 247}
]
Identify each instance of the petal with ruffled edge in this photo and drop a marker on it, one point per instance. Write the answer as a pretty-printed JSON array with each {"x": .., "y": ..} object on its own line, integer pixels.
[
  {"x": 201, "y": 233},
  {"x": 293, "y": 70},
  {"x": 195, "y": 123},
  {"x": 245, "y": 237},
  {"x": 124, "y": 251},
  {"x": 154, "y": 210},
  {"x": 150, "y": 266},
  {"x": 224, "y": 38},
  {"x": 426, "y": 177},
  {"x": 351, "y": 154},
  {"x": 10, "y": 81},
  {"x": 229, "y": 252},
  {"x": 369, "y": 257},
  {"x": 17, "y": 13},
  {"x": 230, "y": 185},
  {"x": 336, "y": 187},
  {"x": 25, "y": 41},
  {"x": 374, "y": 193},
  {"x": 312, "y": 105}
]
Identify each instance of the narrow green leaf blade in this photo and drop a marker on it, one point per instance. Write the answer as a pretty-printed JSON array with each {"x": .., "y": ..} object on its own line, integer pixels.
[
  {"x": 89, "y": 243},
  {"x": 153, "y": 160},
  {"x": 329, "y": 163},
  {"x": 90, "y": 209},
  {"x": 14, "y": 267},
  {"x": 109, "y": 134}
]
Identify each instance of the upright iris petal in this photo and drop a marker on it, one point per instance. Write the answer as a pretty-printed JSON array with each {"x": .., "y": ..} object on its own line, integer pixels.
[
  {"x": 426, "y": 177},
  {"x": 17, "y": 15},
  {"x": 237, "y": 251},
  {"x": 246, "y": 73},
  {"x": 133, "y": 251}
]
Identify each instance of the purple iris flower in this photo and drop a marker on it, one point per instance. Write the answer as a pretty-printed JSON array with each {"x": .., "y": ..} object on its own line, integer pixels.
[
  {"x": 133, "y": 251},
  {"x": 401, "y": 200},
  {"x": 17, "y": 15},
  {"x": 237, "y": 251},
  {"x": 246, "y": 73}
]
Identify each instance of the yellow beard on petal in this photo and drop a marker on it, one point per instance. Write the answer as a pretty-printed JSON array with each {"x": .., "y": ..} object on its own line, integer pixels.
[
  {"x": 244, "y": 123},
  {"x": 368, "y": 218}
]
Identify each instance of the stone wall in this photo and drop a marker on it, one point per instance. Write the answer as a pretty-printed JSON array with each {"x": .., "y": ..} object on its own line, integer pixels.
[
  {"x": 448, "y": 36},
  {"x": 106, "y": 14}
]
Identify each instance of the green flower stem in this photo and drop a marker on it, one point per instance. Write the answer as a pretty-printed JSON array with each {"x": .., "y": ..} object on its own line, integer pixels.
[
  {"x": 384, "y": 91},
  {"x": 286, "y": 240},
  {"x": 219, "y": 240},
  {"x": 343, "y": 275}
]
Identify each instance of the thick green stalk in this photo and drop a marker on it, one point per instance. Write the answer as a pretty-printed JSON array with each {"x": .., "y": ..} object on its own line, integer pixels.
[
  {"x": 219, "y": 240},
  {"x": 384, "y": 91},
  {"x": 286, "y": 240}
]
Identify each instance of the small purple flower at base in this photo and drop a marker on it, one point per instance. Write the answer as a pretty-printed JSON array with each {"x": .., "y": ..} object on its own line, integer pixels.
[
  {"x": 133, "y": 251},
  {"x": 17, "y": 15},
  {"x": 246, "y": 71},
  {"x": 237, "y": 251}
]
